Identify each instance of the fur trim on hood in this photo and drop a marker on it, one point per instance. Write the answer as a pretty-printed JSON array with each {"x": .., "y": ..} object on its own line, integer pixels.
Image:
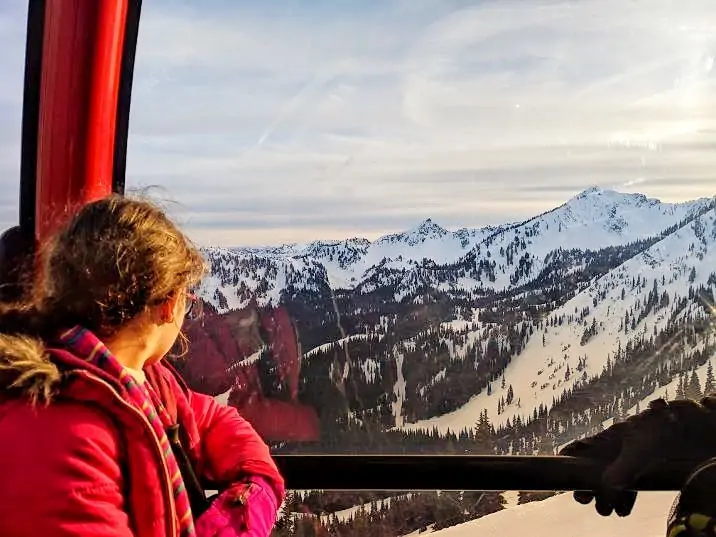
[{"x": 26, "y": 369}]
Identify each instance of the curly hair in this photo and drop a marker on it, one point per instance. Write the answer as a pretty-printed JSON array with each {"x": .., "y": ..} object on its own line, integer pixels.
[{"x": 113, "y": 260}]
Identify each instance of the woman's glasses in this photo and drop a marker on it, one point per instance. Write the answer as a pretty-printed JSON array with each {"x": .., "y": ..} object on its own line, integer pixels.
[{"x": 193, "y": 307}]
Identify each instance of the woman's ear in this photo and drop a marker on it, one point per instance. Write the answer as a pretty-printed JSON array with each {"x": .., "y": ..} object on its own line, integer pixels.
[{"x": 168, "y": 309}]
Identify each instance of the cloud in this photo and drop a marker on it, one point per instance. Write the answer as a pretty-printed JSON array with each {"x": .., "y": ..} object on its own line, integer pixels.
[{"x": 277, "y": 121}]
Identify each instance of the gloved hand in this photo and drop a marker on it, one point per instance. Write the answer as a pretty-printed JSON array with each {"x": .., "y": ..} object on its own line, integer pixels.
[
  {"x": 681, "y": 430},
  {"x": 245, "y": 510}
]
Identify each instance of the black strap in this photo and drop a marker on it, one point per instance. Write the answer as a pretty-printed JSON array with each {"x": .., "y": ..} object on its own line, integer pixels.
[
  {"x": 197, "y": 497},
  {"x": 178, "y": 438}
]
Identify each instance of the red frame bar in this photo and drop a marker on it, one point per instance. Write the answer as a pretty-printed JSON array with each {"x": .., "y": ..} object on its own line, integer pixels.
[{"x": 82, "y": 57}]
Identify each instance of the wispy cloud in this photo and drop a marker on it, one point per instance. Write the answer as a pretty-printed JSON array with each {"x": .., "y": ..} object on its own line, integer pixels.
[{"x": 276, "y": 121}]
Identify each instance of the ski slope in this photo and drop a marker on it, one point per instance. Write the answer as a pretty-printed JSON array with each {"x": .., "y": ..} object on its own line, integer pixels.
[
  {"x": 538, "y": 373},
  {"x": 561, "y": 516}
]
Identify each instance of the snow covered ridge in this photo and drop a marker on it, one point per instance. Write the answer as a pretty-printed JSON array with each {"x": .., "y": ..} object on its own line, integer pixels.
[
  {"x": 472, "y": 261},
  {"x": 561, "y": 516}
]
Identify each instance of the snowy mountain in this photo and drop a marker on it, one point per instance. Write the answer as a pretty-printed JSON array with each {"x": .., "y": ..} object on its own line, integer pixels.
[{"x": 456, "y": 262}]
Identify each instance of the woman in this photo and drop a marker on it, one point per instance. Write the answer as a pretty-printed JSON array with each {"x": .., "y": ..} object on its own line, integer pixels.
[{"x": 100, "y": 435}]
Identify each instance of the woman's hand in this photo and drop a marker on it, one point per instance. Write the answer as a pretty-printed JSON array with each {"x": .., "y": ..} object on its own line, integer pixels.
[{"x": 246, "y": 509}]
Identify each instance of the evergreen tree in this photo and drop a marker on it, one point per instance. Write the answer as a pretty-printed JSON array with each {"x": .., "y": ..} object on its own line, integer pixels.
[
  {"x": 709, "y": 385},
  {"x": 483, "y": 436},
  {"x": 693, "y": 388},
  {"x": 680, "y": 387},
  {"x": 546, "y": 445}
]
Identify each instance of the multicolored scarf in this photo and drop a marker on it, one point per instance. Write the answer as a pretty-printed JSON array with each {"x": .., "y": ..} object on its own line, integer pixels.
[{"x": 86, "y": 345}]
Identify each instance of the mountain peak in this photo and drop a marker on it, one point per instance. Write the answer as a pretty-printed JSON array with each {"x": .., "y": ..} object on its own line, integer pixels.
[
  {"x": 596, "y": 195},
  {"x": 592, "y": 190},
  {"x": 597, "y": 191},
  {"x": 425, "y": 230},
  {"x": 427, "y": 226}
]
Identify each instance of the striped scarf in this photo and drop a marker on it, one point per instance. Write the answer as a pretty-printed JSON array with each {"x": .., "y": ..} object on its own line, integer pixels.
[{"x": 86, "y": 345}]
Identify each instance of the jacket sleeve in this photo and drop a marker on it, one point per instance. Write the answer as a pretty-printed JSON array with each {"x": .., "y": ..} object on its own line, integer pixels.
[
  {"x": 70, "y": 484},
  {"x": 231, "y": 449}
]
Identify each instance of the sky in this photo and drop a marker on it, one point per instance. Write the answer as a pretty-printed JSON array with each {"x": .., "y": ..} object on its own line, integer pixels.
[{"x": 272, "y": 122}]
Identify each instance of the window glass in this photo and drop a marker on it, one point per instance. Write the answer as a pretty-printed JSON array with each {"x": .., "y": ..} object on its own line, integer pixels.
[
  {"x": 437, "y": 227},
  {"x": 13, "y": 14}
]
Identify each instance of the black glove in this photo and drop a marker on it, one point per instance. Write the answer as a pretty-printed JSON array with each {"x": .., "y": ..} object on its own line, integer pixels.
[{"x": 681, "y": 430}]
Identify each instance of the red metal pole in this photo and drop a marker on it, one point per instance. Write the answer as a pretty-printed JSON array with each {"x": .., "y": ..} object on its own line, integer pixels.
[{"x": 82, "y": 56}]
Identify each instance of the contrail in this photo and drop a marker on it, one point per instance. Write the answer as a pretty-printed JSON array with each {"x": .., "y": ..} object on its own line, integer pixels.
[{"x": 292, "y": 104}]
